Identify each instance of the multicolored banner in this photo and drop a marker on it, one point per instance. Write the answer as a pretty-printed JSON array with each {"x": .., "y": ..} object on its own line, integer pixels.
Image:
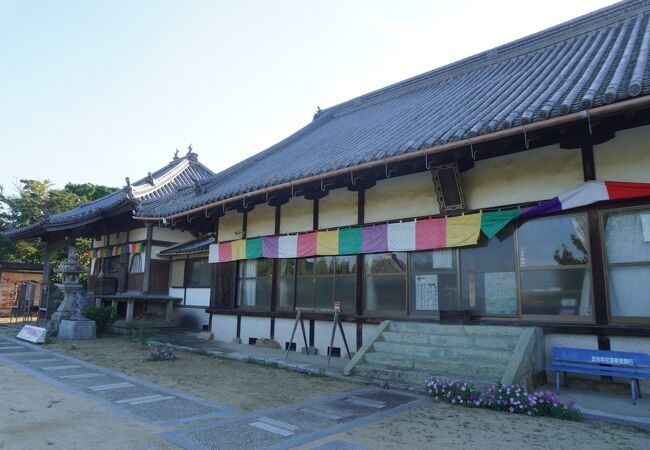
[
  {"x": 427, "y": 234},
  {"x": 585, "y": 194},
  {"x": 116, "y": 250}
]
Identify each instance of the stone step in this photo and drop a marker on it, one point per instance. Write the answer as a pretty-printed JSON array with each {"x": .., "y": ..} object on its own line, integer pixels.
[
  {"x": 443, "y": 354},
  {"x": 417, "y": 377},
  {"x": 453, "y": 367},
  {"x": 454, "y": 330},
  {"x": 498, "y": 342}
]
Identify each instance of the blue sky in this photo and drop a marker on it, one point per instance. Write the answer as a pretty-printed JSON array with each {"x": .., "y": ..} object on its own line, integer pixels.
[{"x": 93, "y": 91}]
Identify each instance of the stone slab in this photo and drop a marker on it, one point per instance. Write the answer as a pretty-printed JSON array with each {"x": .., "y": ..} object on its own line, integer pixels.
[{"x": 77, "y": 329}]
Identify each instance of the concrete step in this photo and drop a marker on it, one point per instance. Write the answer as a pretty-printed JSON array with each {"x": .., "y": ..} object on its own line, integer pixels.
[
  {"x": 454, "y": 330},
  {"x": 418, "y": 377},
  {"x": 438, "y": 340},
  {"x": 443, "y": 353},
  {"x": 452, "y": 367}
]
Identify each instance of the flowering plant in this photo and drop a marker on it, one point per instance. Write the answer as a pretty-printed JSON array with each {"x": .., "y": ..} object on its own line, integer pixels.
[
  {"x": 509, "y": 398},
  {"x": 160, "y": 354}
]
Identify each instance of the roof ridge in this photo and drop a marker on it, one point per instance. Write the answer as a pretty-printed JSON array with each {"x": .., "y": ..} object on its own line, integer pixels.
[{"x": 581, "y": 25}]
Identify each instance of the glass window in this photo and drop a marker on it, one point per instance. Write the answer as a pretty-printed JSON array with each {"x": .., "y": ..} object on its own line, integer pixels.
[
  {"x": 432, "y": 281},
  {"x": 254, "y": 280},
  {"x": 286, "y": 283},
  {"x": 385, "y": 283},
  {"x": 488, "y": 277},
  {"x": 627, "y": 248},
  {"x": 136, "y": 263},
  {"x": 554, "y": 264},
  {"x": 199, "y": 272},
  {"x": 319, "y": 282}
]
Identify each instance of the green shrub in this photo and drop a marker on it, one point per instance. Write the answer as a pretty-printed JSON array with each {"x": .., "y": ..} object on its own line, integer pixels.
[{"x": 104, "y": 317}]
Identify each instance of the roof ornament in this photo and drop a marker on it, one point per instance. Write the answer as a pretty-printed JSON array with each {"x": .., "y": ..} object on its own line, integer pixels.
[
  {"x": 128, "y": 187},
  {"x": 190, "y": 154},
  {"x": 189, "y": 149},
  {"x": 318, "y": 112},
  {"x": 175, "y": 155},
  {"x": 198, "y": 189},
  {"x": 150, "y": 179}
]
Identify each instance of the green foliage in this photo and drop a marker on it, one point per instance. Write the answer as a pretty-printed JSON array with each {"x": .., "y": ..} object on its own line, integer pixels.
[
  {"x": 141, "y": 334},
  {"x": 104, "y": 317},
  {"x": 33, "y": 201}
]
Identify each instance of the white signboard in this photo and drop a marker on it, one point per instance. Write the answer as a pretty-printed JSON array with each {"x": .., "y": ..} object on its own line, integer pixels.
[
  {"x": 32, "y": 334},
  {"x": 426, "y": 292},
  {"x": 442, "y": 259}
]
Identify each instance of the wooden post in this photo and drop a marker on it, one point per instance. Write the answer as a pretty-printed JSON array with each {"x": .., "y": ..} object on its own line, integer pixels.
[
  {"x": 129, "y": 310},
  {"x": 146, "y": 283}
]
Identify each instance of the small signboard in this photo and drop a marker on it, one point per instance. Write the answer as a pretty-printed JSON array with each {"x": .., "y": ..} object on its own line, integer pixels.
[
  {"x": 337, "y": 306},
  {"x": 426, "y": 292},
  {"x": 32, "y": 334}
]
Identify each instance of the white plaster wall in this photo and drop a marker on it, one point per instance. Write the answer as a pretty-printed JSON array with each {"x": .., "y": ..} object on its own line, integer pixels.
[
  {"x": 118, "y": 238},
  {"x": 283, "y": 328},
  {"x": 197, "y": 297},
  {"x": 636, "y": 345},
  {"x": 139, "y": 234},
  {"x": 231, "y": 223},
  {"x": 194, "y": 318},
  {"x": 624, "y": 158},
  {"x": 297, "y": 215},
  {"x": 401, "y": 197},
  {"x": 176, "y": 292},
  {"x": 260, "y": 221},
  {"x": 532, "y": 175},
  {"x": 224, "y": 327},
  {"x": 99, "y": 243},
  {"x": 338, "y": 209},
  {"x": 323, "y": 333},
  {"x": 254, "y": 327},
  {"x": 167, "y": 234},
  {"x": 155, "y": 250},
  {"x": 369, "y": 331},
  {"x": 589, "y": 342}
]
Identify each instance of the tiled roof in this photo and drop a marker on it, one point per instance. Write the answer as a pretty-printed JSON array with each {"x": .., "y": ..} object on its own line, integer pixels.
[
  {"x": 591, "y": 61},
  {"x": 197, "y": 246},
  {"x": 165, "y": 181}
]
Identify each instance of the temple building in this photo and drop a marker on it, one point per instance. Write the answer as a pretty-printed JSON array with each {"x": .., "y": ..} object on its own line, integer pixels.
[
  {"x": 508, "y": 188},
  {"x": 125, "y": 267}
]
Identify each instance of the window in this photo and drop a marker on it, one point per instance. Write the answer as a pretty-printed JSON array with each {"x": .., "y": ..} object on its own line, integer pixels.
[
  {"x": 136, "y": 265},
  {"x": 323, "y": 280},
  {"x": 488, "y": 277},
  {"x": 627, "y": 252},
  {"x": 286, "y": 283},
  {"x": 111, "y": 264},
  {"x": 199, "y": 272},
  {"x": 177, "y": 278},
  {"x": 254, "y": 279},
  {"x": 433, "y": 284},
  {"x": 97, "y": 266},
  {"x": 385, "y": 283},
  {"x": 555, "y": 266}
]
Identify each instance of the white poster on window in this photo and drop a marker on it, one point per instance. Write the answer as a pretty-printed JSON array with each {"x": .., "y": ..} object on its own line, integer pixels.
[
  {"x": 442, "y": 259},
  {"x": 645, "y": 226},
  {"x": 426, "y": 292},
  {"x": 500, "y": 292}
]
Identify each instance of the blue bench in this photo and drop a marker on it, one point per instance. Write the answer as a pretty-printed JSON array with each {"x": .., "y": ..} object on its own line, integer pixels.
[{"x": 634, "y": 366}]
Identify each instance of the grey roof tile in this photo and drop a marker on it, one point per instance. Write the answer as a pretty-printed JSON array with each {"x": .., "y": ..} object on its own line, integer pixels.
[{"x": 590, "y": 61}]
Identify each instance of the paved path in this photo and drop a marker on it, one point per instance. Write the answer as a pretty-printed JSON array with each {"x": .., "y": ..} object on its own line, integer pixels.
[
  {"x": 140, "y": 400},
  {"x": 127, "y": 396},
  {"x": 299, "y": 423}
]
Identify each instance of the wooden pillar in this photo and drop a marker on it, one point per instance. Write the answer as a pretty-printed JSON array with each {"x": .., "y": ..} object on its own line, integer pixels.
[
  {"x": 46, "y": 264},
  {"x": 588, "y": 164},
  {"x": 146, "y": 282},
  {"x": 129, "y": 310},
  {"x": 361, "y": 200},
  {"x": 169, "y": 311}
]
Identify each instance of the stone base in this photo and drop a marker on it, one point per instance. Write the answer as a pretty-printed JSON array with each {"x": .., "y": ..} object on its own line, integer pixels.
[
  {"x": 58, "y": 316},
  {"x": 77, "y": 329},
  {"x": 267, "y": 343}
]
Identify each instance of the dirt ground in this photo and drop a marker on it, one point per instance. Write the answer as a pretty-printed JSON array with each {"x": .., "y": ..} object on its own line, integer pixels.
[{"x": 252, "y": 387}]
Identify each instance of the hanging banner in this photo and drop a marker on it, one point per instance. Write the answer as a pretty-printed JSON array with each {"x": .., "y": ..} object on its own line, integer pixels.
[
  {"x": 427, "y": 234},
  {"x": 116, "y": 250}
]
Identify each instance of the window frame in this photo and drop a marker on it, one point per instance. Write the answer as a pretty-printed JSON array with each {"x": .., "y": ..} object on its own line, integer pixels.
[
  {"x": 189, "y": 263},
  {"x": 611, "y": 318},
  {"x": 407, "y": 280},
  {"x": 588, "y": 266},
  {"x": 238, "y": 280}
]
